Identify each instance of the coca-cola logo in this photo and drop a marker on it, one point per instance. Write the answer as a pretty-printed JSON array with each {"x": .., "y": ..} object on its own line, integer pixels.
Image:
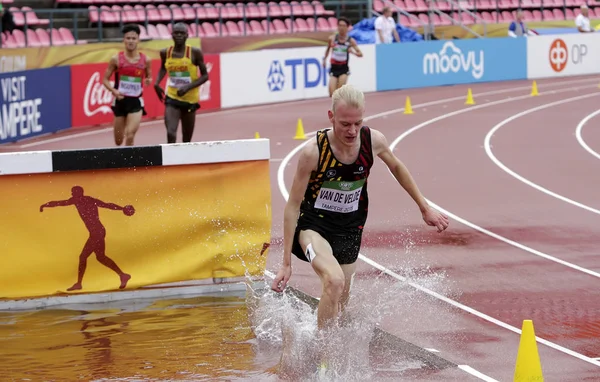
[{"x": 97, "y": 99}]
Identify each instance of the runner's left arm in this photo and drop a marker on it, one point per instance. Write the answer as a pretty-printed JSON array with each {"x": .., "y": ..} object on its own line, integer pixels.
[
  {"x": 199, "y": 61},
  {"x": 355, "y": 49}
]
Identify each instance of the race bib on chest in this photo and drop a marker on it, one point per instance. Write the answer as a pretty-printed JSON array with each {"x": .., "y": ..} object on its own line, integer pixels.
[
  {"x": 340, "y": 196},
  {"x": 130, "y": 86},
  {"x": 179, "y": 79}
]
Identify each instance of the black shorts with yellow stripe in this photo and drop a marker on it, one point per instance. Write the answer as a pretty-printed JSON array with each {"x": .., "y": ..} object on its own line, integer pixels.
[{"x": 182, "y": 106}]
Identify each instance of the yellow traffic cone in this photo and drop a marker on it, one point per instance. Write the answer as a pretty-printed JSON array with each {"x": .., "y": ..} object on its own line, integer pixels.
[
  {"x": 256, "y": 135},
  {"x": 528, "y": 366},
  {"x": 534, "y": 89},
  {"x": 300, "y": 130},
  {"x": 470, "y": 100},
  {"x": 408, "y": 107}
]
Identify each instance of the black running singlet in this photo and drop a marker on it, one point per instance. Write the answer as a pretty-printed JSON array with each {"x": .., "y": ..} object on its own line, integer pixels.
[
  {"x": 336, "y": 198},
  {"x": 340, "y": 51}
]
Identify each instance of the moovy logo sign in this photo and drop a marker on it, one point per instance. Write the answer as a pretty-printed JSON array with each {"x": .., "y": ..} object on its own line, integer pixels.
[{"x": 452, "y": 59}]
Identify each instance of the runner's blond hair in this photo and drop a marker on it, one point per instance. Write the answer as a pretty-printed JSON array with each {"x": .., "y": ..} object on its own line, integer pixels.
[{"x": 350, "y": 95}]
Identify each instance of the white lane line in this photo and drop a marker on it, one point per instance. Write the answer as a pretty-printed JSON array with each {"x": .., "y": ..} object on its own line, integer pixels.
[
  {"x": 261, "y": 107},
  {"x": 287, "y": 158},
  {"x": 285, "y": 194},
  {"x": 579, "y": 130},
  {"x": 476, "y": 373},
  {"x": 490, "y": 154},
  {"x": 471, "y": 225}
]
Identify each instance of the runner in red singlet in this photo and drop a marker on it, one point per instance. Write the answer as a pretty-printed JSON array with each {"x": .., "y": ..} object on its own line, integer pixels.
[
  {"x": 340, "y": 46},
  {"x": 131, "y": 68}
]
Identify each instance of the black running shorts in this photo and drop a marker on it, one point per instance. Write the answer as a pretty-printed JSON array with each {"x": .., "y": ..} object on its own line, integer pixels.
[
  {"x": 338, "y": 70},
  {"x": 183, "y": 106},
  {"x": 128, "y": 105},
  {"x": 346, "y": 246}
]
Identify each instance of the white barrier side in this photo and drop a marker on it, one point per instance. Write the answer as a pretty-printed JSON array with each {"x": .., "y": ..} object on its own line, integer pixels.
[
  {"x": 277, "y": 75},
  {"x": 563, "y": 55}
]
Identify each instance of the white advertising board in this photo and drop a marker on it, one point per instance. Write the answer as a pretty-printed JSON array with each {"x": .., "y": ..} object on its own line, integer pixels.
[
  {"x": 563, "y": 55},
  {"x": 277, "y": 75}
]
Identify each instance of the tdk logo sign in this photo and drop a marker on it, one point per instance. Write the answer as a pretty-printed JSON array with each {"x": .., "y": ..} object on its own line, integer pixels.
[
  {"x": 294, "y": 73},
  {"x": 452, "y": 59}
]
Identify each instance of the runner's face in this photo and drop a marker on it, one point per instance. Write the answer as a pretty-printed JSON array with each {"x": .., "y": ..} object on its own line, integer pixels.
[
  {"x": 342, "y": 28},
  {"x": 179, "y": 35},
  {"x": 347, "y": 122},
  {"x": 131, "y": 40}
]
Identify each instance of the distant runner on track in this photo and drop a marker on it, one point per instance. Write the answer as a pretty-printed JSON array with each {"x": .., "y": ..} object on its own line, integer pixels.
[
  {"x": 181, "y": 62},
  {"x": 326, "y": 212},
  {"x": 131, "y": 69},
  {"x": 340, "y": 46}
]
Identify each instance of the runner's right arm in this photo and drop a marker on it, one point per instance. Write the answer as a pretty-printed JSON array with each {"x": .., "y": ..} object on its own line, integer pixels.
[
  {"x": 113, "y": 64},
  {"x": 329, "y": 41},
  {"x": 161, "y": 74},
  {"x": 307, "y": 163}
]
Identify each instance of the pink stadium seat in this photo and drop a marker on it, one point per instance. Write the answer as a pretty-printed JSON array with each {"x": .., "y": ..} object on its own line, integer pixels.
[
  {"x": 163, "y": 31},
  {"x": 232, "y": 28},
  {"x": 19, "y": 37},
  {"x": 378, "y": 7},
  {"x": 178, "y": 13},
  {"x": 200, "y": 11},
  {"x": 320, "y": 9},
  {"x": 537, "y": 15},
  {"x": 32, "y": 39},
  {"x": 143, "y": 33},
  {"x": 295, "y": 8},
  {"x": 547, "y": 15},
  {"x": 322, "y": 24},
  {"x": 209, "y": 29},
  {"x": 189, "y": 13},
  {"x": 32, "y": 18},
  {"x": 569, "y": 15},
  {"x": 211, "y": 11},
  {"x": 255, "y": 28},
  {"x": 153, "y": 32},
  {"x": 153, "y": 13},
  {"x": 558, "y": 14},
  {"x": 507, "y": 16},
  {"x": 9, "y": 42},
  {"x": 301, "y": 25},
  {"x": 18, "y": 17},
  {"x": 193, "y": 30},
  {"x": 263, "y": 9},
  {"x": 56, "y": 37},
  {"x": 43, "y": 37},
  {"x": 252, "y": 11}
]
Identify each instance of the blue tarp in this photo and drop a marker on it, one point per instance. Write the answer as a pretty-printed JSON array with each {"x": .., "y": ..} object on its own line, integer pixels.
[{"x": 364, "y": 32}]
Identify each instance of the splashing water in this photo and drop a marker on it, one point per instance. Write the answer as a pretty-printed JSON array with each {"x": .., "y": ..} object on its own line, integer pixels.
[{"x": 288, "y": 323}]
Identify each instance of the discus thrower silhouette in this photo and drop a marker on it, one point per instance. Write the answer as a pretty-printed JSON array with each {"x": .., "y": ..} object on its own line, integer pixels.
[{"x": 87, "y": 207}]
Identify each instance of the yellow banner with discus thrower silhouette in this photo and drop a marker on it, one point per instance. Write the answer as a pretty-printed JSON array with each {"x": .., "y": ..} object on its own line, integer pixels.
[{"x": 110, "y": 229}]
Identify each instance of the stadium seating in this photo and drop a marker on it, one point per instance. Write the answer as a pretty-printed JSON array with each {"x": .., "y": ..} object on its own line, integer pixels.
[
  {"x": 212, "y": 18},
  {"x": 492, "y": 11}
]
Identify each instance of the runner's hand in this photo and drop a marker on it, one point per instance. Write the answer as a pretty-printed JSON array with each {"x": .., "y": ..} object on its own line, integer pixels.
[
  {"x": 148, "y": 81},
  {"x": 282, "y": 278},
  {"x": 182, "y": 90},
  {"x": 118, "y": 95},
  {"x": 436, "y": 219},
  {"x": 159, "y": 92}
]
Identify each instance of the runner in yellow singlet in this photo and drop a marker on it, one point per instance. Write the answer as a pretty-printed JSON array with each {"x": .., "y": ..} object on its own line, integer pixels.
[{"x": 181, "y": 62}]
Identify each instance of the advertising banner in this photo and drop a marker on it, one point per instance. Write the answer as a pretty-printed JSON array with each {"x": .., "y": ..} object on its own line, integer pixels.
[
  {"x": 34, "y": 102},
  {"x": 437, "y": 63},
  {"x": 17, "y": 59},
  {"x": 286, "y": 75},
  {"x": 111, "y": 229},
  {"x": 92, "y": 102},
  {"x": 563, "y": 55}
]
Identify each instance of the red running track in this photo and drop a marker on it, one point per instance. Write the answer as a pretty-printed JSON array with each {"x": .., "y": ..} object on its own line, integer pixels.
[{"x": 512, "y": 252}]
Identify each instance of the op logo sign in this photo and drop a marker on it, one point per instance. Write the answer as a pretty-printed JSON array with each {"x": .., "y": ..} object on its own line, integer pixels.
[
  {"x": 452, "y": 59},
  {"x": 558, "y": 55}
]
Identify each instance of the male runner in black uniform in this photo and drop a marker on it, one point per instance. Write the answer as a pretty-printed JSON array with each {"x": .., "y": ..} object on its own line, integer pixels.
[
  {"x": 327, "y": 207},
  {"x": 341, "y": 46}
]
